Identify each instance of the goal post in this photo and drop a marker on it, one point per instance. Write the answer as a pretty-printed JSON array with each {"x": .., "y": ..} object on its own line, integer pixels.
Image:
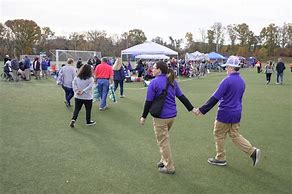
[{"x": 63, "y": 55}]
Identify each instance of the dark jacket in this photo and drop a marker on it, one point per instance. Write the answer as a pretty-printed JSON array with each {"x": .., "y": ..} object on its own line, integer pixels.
[
  {"x": 14, "y": 64},
  {"x": 119, "y": 75},
  {"x": 280, "y": 67}
]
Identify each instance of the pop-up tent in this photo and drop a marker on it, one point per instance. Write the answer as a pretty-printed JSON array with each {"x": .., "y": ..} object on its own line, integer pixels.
[
  {"x": 151, "y": 57},
  {"x": 150, "y": 48},
  {"x": 196, "y": 56},
  {"x": 214, "y": 56}
]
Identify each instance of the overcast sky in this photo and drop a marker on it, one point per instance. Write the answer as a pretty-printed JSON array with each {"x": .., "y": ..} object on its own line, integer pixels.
[{"x": 155, "y": 17}]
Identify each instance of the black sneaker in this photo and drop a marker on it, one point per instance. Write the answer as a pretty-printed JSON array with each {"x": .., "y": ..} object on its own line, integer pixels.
[
  {"x": 160, "y": 164},
  {"x": 72, "y": 123},
  {"x": 217, "y": 162},
  {"x": 256, "y": 155},
  {"x": 91, "y": 123}
]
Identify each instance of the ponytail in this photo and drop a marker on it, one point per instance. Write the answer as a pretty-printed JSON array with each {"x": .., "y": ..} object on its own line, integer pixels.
[
  {"x": 165, "y": 70},
  {"x": 170, "y": 76}
]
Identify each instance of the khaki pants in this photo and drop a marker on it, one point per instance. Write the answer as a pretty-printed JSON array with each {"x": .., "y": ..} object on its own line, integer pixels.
[
  {"x": 45, "y": 74},
  {"x": 27, "y": 74},
  {"x": 15, "y": 75},
  {"x": 220, "y": 132},
  {"x": 161, "y": 129}
]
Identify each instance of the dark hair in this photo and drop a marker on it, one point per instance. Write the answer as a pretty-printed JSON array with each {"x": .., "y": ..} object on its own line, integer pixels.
[
  {"x": 84, "y": 72},
  {"x": 165, "y": 70},
  {"x": 104, "y": 59},
  {"x": 236, "y": 68}
]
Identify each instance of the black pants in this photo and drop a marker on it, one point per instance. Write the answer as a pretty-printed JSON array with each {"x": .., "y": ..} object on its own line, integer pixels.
[
  {"x": 121, "y": 82},
  {"x": 268, "y": 77},
  {"x": 78, "y": 105},
  {"x": 259, "y": 69}
]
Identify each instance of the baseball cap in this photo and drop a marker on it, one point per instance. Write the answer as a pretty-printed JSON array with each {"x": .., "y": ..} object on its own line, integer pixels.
[{"x": 232, "y": 61}]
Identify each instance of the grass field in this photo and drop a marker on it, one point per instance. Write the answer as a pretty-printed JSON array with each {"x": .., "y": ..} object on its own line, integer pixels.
[{"x": 40, "y": 153}]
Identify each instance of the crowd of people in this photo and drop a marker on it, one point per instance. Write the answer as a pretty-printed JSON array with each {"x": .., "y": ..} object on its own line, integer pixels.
[
  {"x": 272, "y": 67},
  {"x": 14, "y": 70},
  {"x": 80, "y": 80}
]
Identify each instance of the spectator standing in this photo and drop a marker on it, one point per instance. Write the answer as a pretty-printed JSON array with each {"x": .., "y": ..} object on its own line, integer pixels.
[
  {"x": 104, "y": 77},
  {"x": 259, "y": 66},
  {"x": 119, "y": 76},
  {"x": 280, "y": 67},
  {"x": 82, "y": 86},
  {"x": 44, "y": 68},
  {"x": 79, "y": 64},
  {"x": 27, "y": 73},
  {"x": 37, "y": 68},
  {"x": 15, "y": 68},
  {"x": 140, "y": 68}
]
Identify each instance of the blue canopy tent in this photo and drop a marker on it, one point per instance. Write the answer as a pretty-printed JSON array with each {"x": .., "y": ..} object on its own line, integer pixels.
[
  {"x": 251, "y": 60},
  {"x": 215, "y": 56}
]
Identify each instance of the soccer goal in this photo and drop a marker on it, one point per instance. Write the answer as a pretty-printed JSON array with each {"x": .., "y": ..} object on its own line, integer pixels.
[{"x": 63, "y": 55}]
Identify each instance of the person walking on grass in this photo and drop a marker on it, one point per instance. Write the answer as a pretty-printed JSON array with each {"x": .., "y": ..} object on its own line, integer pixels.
[
  {"x": 163, "y": 123},
  {"x": 82, "y": 87},
  {"x": 269, "y": 69},
  {"x": 104, "y": 77},
  {"x": 119, "y": 76},
  {"x": 280, "y": 67},
  {"x": 65, "y": 78},
  {"x": 229, "y": 94}
]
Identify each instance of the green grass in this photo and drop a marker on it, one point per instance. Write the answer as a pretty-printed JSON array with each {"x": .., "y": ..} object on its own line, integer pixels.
[{"x": 40, "y": 153}]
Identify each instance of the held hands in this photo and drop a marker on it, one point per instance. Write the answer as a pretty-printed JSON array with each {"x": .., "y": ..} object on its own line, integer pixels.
[
  {"x": 142, "y": 121},
  {"x": 79, "y": 92},
  {"x": 196, "y": 112}
]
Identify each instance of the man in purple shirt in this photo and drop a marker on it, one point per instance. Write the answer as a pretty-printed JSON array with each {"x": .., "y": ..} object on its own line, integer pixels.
[{"x": 229, "y": 94}]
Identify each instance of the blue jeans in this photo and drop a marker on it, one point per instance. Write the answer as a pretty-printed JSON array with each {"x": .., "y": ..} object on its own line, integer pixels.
[
  {"x": 103, "y": 87},
  {"x": 69, "y": 93},
  {"x": 280, "y": 75}
]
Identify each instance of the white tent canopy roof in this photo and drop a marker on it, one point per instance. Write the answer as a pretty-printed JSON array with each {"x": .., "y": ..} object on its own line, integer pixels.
[
  {"x": 149, "y": 48},
  {"x": 196, "y": 56},
  {"x": 151, "y": 57}
]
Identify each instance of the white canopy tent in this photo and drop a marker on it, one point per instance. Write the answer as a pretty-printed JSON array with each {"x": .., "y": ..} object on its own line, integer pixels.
[
  {"x": 149, "y": 48},
  {"x": 151, "y": 57},
  {"x": 196, "y": 56}
]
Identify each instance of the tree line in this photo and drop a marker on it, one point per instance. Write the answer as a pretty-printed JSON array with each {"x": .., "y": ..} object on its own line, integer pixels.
[{"x": 21, "y": 36}]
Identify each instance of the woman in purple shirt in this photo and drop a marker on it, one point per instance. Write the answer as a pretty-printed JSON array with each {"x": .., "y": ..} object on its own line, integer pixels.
[
  {"x": 229, "y": 94},
  {"x": 163, "y": 124}
]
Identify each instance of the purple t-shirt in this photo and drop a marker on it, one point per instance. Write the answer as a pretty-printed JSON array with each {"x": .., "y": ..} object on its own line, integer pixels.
[
  {"x": 155, "y": 88},
  {"x": 229, "y": 93}
]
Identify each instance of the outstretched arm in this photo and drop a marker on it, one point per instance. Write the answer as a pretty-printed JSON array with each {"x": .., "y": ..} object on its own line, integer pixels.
[
  {"x": 208, "y": 105},
  {"x": 186, "y": 102}
]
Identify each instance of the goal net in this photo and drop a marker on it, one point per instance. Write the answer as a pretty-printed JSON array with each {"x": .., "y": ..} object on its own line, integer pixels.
[{"x": 63, "y": 55}]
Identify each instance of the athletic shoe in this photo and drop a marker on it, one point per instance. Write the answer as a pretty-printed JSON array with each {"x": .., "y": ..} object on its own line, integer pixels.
[
  {"x": 91, "y": 123},
  {"x": 217, "y": 162},
  {"x": 72, "y": 123},
  {"x": 122, "y": 96},
  {"x": 256, "y": 155},
  {"x": 103, "y": 109},
  {"x": 160, "y": 164},
  {"x": 165, "y": 170}
]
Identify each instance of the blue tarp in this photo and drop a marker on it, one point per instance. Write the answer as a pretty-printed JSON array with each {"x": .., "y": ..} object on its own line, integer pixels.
[{"x": 214, "y": 56}]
